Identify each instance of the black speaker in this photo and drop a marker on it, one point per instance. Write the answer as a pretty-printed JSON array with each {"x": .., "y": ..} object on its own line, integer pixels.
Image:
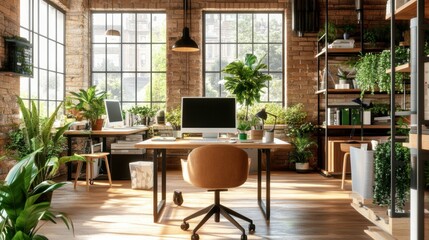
[{"x": 305, "y": 16}]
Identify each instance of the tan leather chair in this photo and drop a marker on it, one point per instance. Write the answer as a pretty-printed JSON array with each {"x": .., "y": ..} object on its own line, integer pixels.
[{"x": 216, "y": 168}]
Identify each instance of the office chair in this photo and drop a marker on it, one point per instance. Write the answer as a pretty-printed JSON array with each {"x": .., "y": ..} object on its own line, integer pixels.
[{"x": 216, "y": 168}]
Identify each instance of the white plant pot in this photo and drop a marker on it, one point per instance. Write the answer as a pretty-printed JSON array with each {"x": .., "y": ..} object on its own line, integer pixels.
[{"x": 302, "y": 167}]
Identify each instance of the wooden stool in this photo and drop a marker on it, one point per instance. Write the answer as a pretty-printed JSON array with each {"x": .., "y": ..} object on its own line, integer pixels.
[
  {"x": 90, "y": 159},
  {"x": 345, "y": 147}
]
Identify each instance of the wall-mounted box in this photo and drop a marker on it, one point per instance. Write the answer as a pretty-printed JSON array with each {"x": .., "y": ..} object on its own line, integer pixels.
[{"x": 19, "y": 57}]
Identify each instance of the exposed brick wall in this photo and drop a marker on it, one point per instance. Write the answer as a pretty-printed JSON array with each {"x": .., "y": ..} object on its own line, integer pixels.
[{"x": 9, "y": 86}]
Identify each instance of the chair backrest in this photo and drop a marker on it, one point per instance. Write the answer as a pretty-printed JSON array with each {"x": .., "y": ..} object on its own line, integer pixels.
[
  {"x": 217, "y": 166},
  {"x": 97, "y": 147}
]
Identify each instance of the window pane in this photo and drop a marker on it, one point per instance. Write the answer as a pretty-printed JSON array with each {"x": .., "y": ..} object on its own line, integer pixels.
[
  {"x": 244, "y": 28},
  {"x": 129, "y": 27},
  {"x": 24, "y": 33},
  {"x": 260, "y": 51},
  {"x": 143, "y": 87},
  {"x": 276, "y": 57},
  {"x": 43, "y": 18},
  {"x": 143, "y": 57},
  {"x": 98, "y": 27},
  {"x": 24, "y": 86},
  {"x": 52, "y": 20},
  {"x": 276, "y": 28},
  {"x": 129, "y": 57},
  {"x": 99, "y": 57},
  {"x": 212, "y": 33},
  {"x": 244, "y": 49},
  {"x": 212, "y": 57},
  {"x": 52, "y": 86},
  {"x": 34, "y": 85},
  {"x": 52, "y": 56},
  {"x": 24, "y": 14},
  {"x": 129, "y": 87},
  {"x": 113, "y": 57},
  {"x": 99, "y": 80},
  {"x": 229, "y": 54},
  {"x": 276, "y": 87},
  {"x": 159, "y": 57},
  {"x": 43, "y": 52},
  {"x": 114, "y": 85},
  {"x": 212, "y": 84},
  {"x": 60, "y": 87},
  {"x": 36, "y": 51},
  {"x": 60, "y": 28},
  {"x": 260, "y": 30},
  {"x": 143, "y": 28},
  {"x": 159, "y": 86},
  {"x": 158, "y": 28},
  {"x": 43, "y": 84},
  {"x": 229, "y": 28}
]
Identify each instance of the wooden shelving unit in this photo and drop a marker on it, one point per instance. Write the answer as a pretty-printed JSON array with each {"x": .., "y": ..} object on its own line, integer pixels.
[{"x": 339, "y": 51}]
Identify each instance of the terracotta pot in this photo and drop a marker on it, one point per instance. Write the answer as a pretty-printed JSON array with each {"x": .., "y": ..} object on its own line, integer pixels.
[
  {"x": 256, "y": 134},
  {"x": 98, "y": 125}
]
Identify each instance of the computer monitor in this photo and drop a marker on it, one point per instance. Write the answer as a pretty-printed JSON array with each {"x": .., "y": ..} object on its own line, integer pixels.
[
  {"x": 114, "y": 114},
  {"x": 209, "y": 116}
]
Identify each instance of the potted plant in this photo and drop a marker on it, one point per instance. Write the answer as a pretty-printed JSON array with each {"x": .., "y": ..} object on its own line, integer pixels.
[
  {"x": 91, "y": 103},
  {"x": 332, "y": 32},
  {"x": 39, "y": 137},
  {"x": 347, "y": 30},
  {"x": 243, "y": 126},
  {"x": 173, "y": 117},
  {"x": 303, "y": 143},
  {"x": 246, "y": 81},
  {"x": 143, "y": 114},
  {"x": 294, "y": 118},
  {"x": 21, "y": 201},
  {"x": 382, "y": 175}
]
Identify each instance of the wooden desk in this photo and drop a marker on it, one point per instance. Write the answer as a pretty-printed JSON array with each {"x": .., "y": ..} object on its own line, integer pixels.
[
  {"x": 117, "y": 132},
  {"x": 160, "y": 147}
]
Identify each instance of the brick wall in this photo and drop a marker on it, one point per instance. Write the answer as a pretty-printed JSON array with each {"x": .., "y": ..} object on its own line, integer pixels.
[{"x": 9, "y": 86}]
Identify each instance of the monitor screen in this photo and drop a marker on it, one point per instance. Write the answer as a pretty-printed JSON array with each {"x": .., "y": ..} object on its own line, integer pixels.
[
  {"x": 114, "y": 113},
  {"x": 209, "y": 115}
]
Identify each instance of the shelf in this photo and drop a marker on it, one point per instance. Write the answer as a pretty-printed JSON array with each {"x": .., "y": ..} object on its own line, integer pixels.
[
  {"x": 404, "y": 68},
  {"x": 408, "y": 11},
  {"x": 340, "y": 91},
  {"x": 340, "y": 127},
  {"x": 339, "y": 51},
  {"x": 13, "y": 74}
]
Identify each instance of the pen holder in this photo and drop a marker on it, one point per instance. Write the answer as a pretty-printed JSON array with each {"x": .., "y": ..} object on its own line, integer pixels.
[{"x": 268, "y": 137}]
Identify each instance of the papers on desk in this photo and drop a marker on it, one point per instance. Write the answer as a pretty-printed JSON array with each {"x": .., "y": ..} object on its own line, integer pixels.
[{"x": 165, "y": 139}]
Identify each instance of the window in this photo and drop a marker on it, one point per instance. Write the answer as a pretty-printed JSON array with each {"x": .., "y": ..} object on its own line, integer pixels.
[
  {"x": 43, "y": 25},
  {"x": 131, "y": 68},
  {"x": 229, "y": 36}
]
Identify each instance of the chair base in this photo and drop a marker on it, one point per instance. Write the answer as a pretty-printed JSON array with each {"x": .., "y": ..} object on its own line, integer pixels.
[{"x": 217, "y": 209}]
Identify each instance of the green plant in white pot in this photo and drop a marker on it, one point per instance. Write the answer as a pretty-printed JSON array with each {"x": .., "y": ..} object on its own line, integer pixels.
[
  {"x": 246, "y": 81},
  {"x": 303, "y": 145}
]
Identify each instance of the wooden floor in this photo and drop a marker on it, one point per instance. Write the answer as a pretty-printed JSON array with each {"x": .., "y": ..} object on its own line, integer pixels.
[{"x": 304, "y": 206}]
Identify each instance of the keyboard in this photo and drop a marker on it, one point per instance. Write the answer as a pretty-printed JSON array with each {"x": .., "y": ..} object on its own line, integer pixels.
[{"x": 163, "y": 139}]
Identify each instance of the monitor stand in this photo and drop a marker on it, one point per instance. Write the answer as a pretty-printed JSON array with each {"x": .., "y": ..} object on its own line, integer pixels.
[{"x": 210, "y": 135}]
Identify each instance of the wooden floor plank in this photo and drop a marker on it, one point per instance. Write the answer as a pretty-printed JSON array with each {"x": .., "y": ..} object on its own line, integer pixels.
[{"x": 304, "y": 206}]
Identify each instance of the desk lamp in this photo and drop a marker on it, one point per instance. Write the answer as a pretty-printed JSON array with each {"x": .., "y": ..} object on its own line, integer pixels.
[{"x": 264, "y": 115}]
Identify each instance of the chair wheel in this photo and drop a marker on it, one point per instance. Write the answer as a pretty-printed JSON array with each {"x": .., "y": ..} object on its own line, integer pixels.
[
  {"x": 184, "y": 226},
  {"x": 244, "y": 237},
  {"x": 195, "y": 237},
  {"x": 252, "y": 228}
]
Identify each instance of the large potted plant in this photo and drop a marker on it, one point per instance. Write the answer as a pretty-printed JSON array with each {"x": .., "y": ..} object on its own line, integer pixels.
[
  {"x": 246, "y": 81},
  {"x": 41, "y": 137},
  {"x": 143, "y": 114},
  {"x": 91, "y": 103},
  {"x": 303, "y": 146},
  {"x": 22, "y": 206}
]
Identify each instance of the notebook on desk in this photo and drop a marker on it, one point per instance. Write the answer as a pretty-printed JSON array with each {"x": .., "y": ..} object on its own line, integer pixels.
[{"x": 168, "y": 139}]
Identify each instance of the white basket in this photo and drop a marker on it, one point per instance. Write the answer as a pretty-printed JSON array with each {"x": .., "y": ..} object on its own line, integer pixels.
[{"x": 141, "y": 175}]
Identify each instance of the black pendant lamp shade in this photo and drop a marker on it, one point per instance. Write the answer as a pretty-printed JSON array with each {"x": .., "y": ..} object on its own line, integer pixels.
[{"x": 185, "y": 43}]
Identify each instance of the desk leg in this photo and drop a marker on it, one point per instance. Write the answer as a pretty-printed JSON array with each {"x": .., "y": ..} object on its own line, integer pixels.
[
  {"x": 158, "y": 206},
  {"x": 265, "y": 207},
  {"x": 69, "y": 153}
]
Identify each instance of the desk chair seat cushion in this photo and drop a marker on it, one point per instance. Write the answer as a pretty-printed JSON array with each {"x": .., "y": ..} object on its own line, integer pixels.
[{"x": 216, "y": 167}]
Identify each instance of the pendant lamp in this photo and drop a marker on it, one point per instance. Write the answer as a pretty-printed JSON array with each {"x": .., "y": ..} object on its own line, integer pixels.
[
  {"x": 185, "y": 43},
  {"x": 112, "y": 32}
]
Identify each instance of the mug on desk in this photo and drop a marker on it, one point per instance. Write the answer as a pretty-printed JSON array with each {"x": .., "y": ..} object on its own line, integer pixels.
[{"x": 268, "y": 137}]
